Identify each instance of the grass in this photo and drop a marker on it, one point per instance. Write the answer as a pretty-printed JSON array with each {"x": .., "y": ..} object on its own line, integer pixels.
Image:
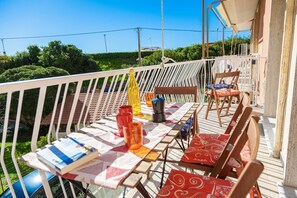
[
  {"x": 23, "y": 146},
  {"x": 21, "y": 149}
]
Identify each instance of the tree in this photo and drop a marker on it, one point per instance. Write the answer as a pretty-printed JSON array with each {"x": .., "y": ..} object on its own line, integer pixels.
[
  {"x": 67, "y": 57},
  {"x": 4, "y": 61},
  {"x": 29, "y": 57},
  {"x": 30, "y": 96},
  {"x": 34, "y": 52}
]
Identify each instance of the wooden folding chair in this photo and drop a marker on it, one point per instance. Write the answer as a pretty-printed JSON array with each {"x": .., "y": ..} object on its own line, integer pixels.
[
  {"x": 216, "y": 94},
  {"x": 205, "y": 139},
  {"x": 183, "y": 184},
  {"x": 243, "y": 146},
  {"x": 180, "y": 94},
  {"x": 214, "y": 152}
]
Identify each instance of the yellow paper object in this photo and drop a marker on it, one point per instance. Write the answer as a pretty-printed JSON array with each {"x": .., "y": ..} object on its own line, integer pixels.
[{"x": 133, "y": 94}]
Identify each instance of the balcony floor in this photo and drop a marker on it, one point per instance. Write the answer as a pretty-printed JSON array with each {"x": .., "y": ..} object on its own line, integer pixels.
[{"x": 268, "y": 181}]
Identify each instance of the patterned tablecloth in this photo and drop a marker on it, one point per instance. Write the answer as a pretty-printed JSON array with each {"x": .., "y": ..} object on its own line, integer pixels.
[{"x": 115, "y": 162}]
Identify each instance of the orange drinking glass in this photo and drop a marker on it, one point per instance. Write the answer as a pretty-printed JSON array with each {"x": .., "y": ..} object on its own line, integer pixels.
[
  {"x": 133, "y": 135},
  {"x": 148, "y": 98},
  {"x": 123, "y": 120},
  {"x": 125, "y": 109}
]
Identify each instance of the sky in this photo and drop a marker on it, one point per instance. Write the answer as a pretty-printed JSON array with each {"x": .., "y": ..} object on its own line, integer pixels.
[{"x": 26, "y": 18}]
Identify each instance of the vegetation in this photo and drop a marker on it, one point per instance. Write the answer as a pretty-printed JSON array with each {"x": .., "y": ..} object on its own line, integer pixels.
[
  {"x": 117, "y": 60},
  {"x": 22, "y": 148},
  {"x": 71, "y": 59},
  {"x": 29, "y": 72},
  {"x": 194, "y": 52},
  {"x": 67, "y": 57}
]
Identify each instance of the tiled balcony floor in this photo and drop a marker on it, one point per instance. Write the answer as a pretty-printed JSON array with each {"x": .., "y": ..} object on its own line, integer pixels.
[{"x": 268, "y": 181}]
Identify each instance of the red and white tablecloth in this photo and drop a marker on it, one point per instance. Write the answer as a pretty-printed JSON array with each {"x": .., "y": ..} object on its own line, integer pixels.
[{"x": 115, "y": 161}]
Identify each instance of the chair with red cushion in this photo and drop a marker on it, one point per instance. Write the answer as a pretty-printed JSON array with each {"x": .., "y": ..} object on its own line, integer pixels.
[
  {"x": 207, "y": 140},
  {"x": 241, "y": 145},
  {"x": 215, "y": 95},
  {"x": 183, "y": 184},
  {"x": 207, "y": 155}
]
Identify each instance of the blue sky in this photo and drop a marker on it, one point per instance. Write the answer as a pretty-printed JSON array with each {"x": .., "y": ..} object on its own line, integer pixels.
[{"x": 21, "y": 18}]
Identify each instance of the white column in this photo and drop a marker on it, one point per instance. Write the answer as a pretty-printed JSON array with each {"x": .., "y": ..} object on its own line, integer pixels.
[
  {"x": 274, "y": 56},
  {"x": 284, "y": 76}
]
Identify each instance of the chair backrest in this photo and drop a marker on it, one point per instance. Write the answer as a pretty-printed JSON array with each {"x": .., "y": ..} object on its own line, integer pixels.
[
  {"x": 178, "y": 91},
  {"x": 254, "y": 137},
  {"x": 250, "y": 134},
  {"x": 232, "y": 76},
  {"x": 240, "y": 128},
  {"x": 243, "y": 103},
  {"x": 247, "y": 179}
]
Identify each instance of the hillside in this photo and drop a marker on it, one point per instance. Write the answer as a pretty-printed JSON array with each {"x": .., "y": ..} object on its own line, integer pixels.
[{"x": 117, "y": 60}]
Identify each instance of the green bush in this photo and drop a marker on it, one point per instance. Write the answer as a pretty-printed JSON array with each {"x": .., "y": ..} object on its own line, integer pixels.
[
  {"x": 194, "y": 52},
  {"x": 30, "y": 96},
  {"x": 67, "y": 57}
]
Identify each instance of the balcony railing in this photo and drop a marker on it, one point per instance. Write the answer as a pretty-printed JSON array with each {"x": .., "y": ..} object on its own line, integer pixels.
[{"x": 70, "y": 102}]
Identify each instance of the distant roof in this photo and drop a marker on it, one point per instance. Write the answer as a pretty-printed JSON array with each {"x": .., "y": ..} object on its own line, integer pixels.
[
  {"x": 79, "y": 107},
  {"x": 150, "y": 48}
]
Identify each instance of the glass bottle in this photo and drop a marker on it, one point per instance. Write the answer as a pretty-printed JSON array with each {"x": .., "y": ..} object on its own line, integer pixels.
[{"x": 133, "y": 94}]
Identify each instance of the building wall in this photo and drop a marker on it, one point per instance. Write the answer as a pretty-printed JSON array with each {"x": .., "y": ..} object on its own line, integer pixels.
[
  {"x": 267, "y": 41},
  {"x": 259, "y": 44},
  {"x": 267, "y": 34}
]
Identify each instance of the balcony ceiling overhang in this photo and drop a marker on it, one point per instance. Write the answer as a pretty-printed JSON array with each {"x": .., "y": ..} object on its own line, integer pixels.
[{"x": 238, "y": 13}]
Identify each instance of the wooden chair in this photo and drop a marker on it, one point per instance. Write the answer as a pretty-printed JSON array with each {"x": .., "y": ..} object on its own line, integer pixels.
[
  {"x": 240, "y": 147},
  {"x": 181, "y": 94},
  {"x": 210, "y": 157},
  {"x": 216, "y": 93},
  {"x": 204, "y": 139},
  {"x": 183, "y": 184}
]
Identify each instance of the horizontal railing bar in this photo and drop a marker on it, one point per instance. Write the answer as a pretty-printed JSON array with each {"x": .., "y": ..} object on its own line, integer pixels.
[{"x": 37, "y": 83}]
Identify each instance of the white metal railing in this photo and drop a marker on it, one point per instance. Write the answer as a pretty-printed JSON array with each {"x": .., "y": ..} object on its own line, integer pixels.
[{"x": 108, "y": 90}]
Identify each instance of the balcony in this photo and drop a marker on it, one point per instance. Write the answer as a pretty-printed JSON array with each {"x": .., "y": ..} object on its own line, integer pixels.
[{"x": 66, "y": 104}]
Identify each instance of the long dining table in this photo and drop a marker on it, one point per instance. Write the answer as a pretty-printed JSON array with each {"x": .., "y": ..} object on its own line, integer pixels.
[{"x": 116, "y": 165}]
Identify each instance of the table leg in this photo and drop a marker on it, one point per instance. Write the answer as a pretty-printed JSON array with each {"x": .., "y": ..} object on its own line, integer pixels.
[
  {"x": 142, "y": 190},
  {"x": 80, "y": 187},
  {"x": 164, "y": 164}
]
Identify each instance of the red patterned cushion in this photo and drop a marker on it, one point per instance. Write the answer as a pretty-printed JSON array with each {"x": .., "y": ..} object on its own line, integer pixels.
[
  {"x": 207, "y": 148},
  {"x": 183, "y": 184},
  {"x": 210, "y": 141},
  {"x": 227, "y": 92},
  {"x": 223, "y": 92},
  {"x": 201, "y": 156}
]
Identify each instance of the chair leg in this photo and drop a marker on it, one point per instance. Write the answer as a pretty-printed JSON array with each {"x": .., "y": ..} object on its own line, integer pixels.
[
  {"x": 208, "y": 107},
  {"x": 163, "y": 169},
  {"x": 218, "y": 111},
  {"x": 229, "y": 104},
  {"x": 223, "y": 104},
  {"x": 181, "y": 145}
]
